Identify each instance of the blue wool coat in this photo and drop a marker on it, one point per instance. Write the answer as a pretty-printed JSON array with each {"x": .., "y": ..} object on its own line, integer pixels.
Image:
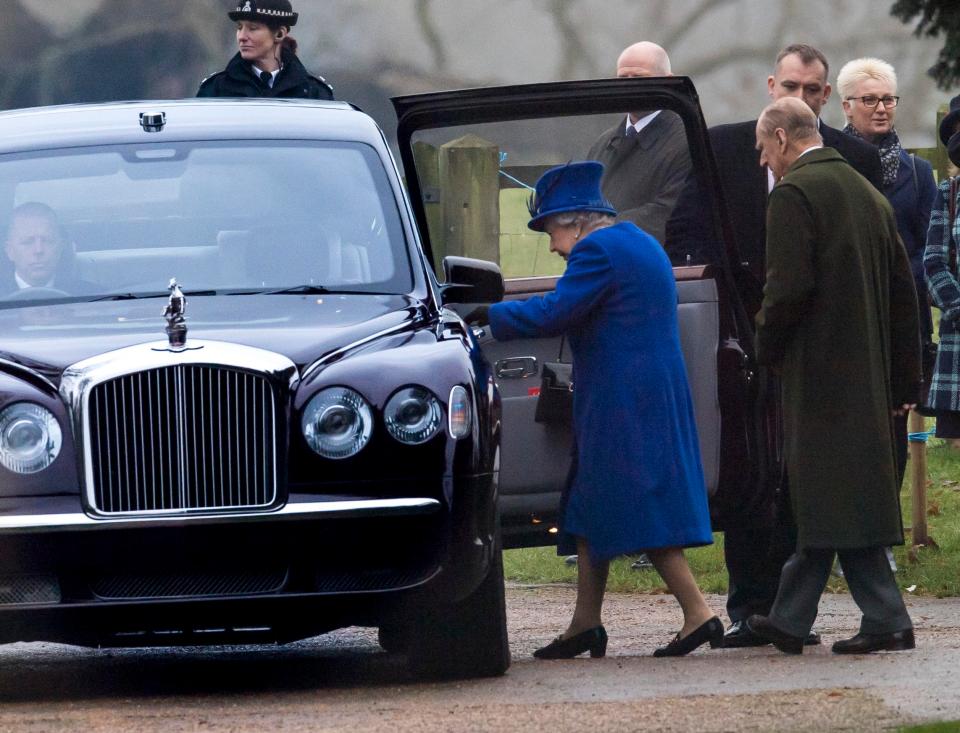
[{"x": 639, "y": 483}]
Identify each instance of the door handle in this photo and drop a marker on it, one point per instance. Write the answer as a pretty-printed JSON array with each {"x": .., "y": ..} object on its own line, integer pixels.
[{"x": 517, "y": 367}]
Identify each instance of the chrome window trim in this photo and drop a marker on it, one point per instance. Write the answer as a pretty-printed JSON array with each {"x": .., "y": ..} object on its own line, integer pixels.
[
  {"x": 79, "y": 380},
  {"x": 337, "y": 353},
  {"x": 303, "y": 511}
]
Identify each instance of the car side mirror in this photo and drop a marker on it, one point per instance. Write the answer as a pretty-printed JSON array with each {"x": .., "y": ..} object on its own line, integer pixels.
[{"x": 471, "y": 281}]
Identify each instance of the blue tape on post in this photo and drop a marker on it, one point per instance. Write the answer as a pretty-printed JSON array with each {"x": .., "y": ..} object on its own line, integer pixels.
[{"x": 919, "y": 437}]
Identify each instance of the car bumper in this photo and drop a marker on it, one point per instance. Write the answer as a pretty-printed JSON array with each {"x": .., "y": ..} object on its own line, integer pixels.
[{"x": 315, "y": 564}]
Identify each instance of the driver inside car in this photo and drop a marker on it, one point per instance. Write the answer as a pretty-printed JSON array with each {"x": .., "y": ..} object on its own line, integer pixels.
[{"x": 36, "y": 245}]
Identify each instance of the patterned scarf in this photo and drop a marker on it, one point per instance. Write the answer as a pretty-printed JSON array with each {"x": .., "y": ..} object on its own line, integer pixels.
[{"x": 889, "y": 147}]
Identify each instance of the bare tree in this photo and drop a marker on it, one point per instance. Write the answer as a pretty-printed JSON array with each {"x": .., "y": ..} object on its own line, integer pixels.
[
  {"x": 431, "y": 34},
  {"x": 574, "y": 53}
]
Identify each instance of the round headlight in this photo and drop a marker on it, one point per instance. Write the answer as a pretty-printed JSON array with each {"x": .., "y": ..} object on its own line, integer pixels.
[
  {"x": 30, "y": 437},
  {"x": 337, "y": 423},
  {"x": 413, "y": 415}
]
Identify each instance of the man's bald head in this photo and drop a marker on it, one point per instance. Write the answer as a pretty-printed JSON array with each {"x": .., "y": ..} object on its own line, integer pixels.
[
  {"x": 793, "y": 116},
  {"x": 643, "y": 59},
  {"x": 785, "y": 130}
]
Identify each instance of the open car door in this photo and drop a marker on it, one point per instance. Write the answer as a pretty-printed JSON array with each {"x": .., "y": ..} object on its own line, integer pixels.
[{"x": 471, "y": 158}]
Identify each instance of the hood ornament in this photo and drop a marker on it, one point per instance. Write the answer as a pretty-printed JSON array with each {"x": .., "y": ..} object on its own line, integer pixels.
[{"x": 176, "y": 315}]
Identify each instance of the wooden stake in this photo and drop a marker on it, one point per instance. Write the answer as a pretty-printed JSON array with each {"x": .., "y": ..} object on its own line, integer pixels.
[{"x": 918, "y": 480}]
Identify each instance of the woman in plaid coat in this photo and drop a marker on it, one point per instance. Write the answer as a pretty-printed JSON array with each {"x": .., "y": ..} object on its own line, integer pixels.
[{"x": 939, "y": 263}]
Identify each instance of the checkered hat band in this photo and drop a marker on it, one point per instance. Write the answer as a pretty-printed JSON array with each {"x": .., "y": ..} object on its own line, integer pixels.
[{"x": 266, "y": 11}]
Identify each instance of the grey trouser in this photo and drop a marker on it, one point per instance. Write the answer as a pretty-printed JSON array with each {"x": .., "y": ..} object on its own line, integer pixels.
[{"x": 872, "y": 585}]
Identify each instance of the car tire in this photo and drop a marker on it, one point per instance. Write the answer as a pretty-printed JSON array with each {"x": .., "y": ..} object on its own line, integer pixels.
[
  {"x": 464, "y": 639},
  {"x": 394, "y": 638}
]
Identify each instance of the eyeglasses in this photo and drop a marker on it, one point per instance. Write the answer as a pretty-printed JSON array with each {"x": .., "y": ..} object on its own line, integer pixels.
[{"x": 870, "y": 101}]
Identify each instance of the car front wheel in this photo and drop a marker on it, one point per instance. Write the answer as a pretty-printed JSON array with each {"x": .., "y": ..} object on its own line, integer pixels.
[{"x": 464, "y": 639}]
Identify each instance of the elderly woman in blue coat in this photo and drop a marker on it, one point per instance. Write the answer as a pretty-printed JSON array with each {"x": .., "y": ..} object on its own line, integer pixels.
[{"x": 637, "y": 483}]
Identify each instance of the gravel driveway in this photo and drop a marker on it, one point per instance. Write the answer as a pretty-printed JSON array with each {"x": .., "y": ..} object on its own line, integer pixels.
[{"x": 343, "y": 682}]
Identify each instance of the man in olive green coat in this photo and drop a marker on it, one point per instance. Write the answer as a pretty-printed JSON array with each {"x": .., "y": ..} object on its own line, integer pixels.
[{"x": 839, "y": 322}]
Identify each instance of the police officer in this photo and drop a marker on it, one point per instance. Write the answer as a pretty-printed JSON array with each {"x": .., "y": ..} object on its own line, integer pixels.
[{"x": 266, "y": 64}]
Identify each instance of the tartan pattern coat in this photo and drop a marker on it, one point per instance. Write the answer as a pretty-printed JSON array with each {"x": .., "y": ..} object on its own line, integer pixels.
[{"x": 945, "y": 291}]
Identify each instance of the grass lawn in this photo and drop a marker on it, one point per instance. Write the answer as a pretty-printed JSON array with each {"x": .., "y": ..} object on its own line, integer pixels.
[
  {"x": 950, "y": 726},
  {"x": 936, "y": 572}
]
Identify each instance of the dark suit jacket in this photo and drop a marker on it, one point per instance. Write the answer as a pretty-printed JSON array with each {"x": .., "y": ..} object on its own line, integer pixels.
[
  {"x": 746, "y": 187},
  {"x": 645, "y": 174},
  {"x": 69, "y": 285}
]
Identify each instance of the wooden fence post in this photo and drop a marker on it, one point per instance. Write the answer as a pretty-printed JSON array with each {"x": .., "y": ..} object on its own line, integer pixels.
[
  {"x": 470, "y": 198},
  {"x": 918, "y": 481},
  {"x": 427, "y": 159}
]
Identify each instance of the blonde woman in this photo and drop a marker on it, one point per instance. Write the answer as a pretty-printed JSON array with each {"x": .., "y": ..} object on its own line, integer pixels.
[{"x": 868, "y": 88}]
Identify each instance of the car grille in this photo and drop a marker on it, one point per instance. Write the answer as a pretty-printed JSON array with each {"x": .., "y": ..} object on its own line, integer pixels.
[
  {"x": 180, "y": 439},
  {"x": 189, "y": 585}
]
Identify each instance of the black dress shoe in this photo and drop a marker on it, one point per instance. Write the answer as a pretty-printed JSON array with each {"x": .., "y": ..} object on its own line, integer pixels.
[
  {"x": 711, "y": 631},
  {"x": 592, "y": 640},
  {"x": 864, "y": 643},
  {"x": 738, "y": 636},
  {"x": 787, "y": 643}
]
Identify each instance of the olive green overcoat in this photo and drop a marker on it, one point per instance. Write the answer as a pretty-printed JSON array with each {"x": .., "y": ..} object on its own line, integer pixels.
[{"x": 839, "y": 321}]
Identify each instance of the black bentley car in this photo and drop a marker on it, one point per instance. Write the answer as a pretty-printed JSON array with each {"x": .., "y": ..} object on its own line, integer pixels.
[
  {"x": 293, "y": 436},
  {"x": 238, "y": 398}
]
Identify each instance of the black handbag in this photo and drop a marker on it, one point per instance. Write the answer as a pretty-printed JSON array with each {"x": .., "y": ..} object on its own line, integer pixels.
[{"x": 555, "y": 403}]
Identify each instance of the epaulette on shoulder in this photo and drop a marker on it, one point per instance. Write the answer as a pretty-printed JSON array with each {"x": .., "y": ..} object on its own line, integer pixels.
[
  {"x": 324, "y": 82},
  {"x": 212, "y": 77}
]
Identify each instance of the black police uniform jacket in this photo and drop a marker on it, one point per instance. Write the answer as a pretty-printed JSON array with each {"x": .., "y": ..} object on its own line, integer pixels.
[{"x": 240, "y": 80}]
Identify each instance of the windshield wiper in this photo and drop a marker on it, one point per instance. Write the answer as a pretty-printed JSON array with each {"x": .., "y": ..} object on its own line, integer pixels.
[
  {"x": 145, "y": 296},
  {"x": 299, "y": 290}
]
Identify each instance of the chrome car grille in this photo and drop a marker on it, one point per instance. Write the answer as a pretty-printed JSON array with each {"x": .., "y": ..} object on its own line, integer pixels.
[{"x": 182, "y": 438}]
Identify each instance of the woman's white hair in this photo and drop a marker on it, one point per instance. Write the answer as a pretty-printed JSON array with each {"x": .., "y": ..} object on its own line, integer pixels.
[
  {"x": 860, "y": 70},
  {"x": 589, "y": 219}
]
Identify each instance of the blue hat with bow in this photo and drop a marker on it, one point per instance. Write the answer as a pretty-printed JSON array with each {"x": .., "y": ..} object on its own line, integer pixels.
[{"x": 570, "y": 187}]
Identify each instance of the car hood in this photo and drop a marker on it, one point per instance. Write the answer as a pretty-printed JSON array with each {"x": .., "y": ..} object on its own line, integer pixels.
[{"x": 49, "y": 338}]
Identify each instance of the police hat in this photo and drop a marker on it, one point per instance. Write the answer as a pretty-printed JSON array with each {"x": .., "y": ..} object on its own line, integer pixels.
[
  {"x": 570, "y": 187},
  {"x": 265, "y": 11}
]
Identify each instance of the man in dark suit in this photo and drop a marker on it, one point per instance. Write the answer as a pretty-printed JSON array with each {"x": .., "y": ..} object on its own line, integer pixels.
[
  {"x": 800, "y": 71},
  {"x": 36, "y": 247},
  {"x": 646, "y": 155},
  {"x": 757, "y": 546}
]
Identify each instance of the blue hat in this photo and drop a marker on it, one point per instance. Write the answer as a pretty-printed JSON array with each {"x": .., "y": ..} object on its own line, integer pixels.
[
  {"x": 951, "y": 120},
  {"x": 570, "y": 187}
]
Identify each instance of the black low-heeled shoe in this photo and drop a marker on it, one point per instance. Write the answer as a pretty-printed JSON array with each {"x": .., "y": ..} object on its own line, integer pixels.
[
  {"x": 710, "y": 631},
  {"x": 592, "y": 640}
]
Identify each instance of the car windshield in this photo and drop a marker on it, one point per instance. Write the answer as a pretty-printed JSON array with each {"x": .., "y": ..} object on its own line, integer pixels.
[{"x": 226, "y": 217}]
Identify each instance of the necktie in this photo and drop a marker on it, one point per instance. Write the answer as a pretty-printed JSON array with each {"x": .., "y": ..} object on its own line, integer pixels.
[
  {"x": 632, "y": 132},
  {"x": 267, "y": 78}
]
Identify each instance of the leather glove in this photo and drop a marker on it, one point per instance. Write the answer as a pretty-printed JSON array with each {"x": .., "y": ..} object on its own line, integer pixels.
[{"x": 479, "y": 316}]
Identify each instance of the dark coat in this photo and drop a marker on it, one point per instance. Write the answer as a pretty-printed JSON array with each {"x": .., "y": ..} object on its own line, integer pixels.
[
  {"x": 644, "y": 174},
  {"x": 239, "y": 80},
  {"x": 639, "y": 482},
  {"x": 746, "y": 186},
  {"x": 839, "y": 320},
  {"x": 911, "y": 196}
]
